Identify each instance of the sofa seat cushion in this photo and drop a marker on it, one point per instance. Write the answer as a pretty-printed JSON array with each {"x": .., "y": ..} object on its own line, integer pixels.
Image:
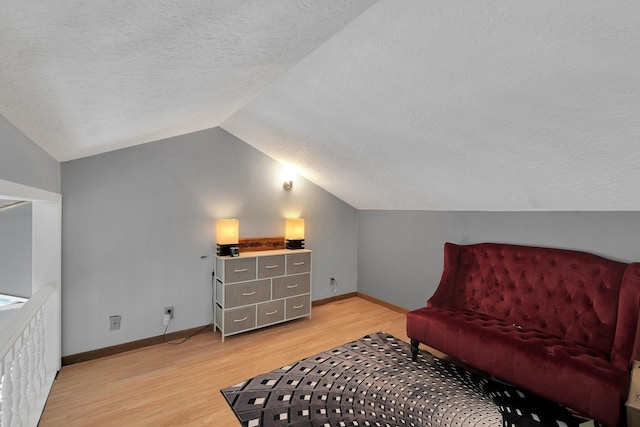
[{"x": 526, "y": 357}]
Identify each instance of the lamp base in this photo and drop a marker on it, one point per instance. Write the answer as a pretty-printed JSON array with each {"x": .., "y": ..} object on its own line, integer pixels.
[
  {"x": 227, "y": 250},
  {"x": 294, "y": 244}
]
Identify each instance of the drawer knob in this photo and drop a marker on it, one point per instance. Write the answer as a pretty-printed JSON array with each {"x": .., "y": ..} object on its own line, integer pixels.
[
  {"x": 292, "y": 286},
  {"x": 271, "y": 266},
  {"x": 271, "y": 313},
  {"x": 299, "y": 263},
  {"x": 240, "y": 320},
  {"x": 248, "y": 294},
  {"x": 297, "y": 307},
  {"x": 240, "y": 270}
]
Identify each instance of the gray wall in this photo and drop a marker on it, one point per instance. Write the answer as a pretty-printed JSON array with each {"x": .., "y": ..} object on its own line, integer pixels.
[
  {"x": 137, "y": 221},
  {"x": 15, "y": 251},
  {"x": 24, "y": 162},
  {"x": 400, "y": 253}
]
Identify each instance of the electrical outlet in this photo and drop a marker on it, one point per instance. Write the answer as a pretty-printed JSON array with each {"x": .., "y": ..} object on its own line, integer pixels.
[
  {"x": 114, "y": 322},
  {"x": 334, "y": 284},
  {"x": 169, "y": 311}
]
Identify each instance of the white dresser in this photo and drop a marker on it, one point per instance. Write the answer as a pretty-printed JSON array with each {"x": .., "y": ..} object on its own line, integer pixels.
[{"x": 263, "y": 288}]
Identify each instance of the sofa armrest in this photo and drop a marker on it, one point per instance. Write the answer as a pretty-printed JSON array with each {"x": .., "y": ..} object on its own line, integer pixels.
[
  {"x": 626, "y": 343},
  {"x": 443, "y": 296}
]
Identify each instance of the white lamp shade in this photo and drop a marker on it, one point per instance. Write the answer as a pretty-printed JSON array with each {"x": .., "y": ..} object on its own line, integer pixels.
[
  {"x": 227, "y": 231},
  {"x": 294, "y": 229}
]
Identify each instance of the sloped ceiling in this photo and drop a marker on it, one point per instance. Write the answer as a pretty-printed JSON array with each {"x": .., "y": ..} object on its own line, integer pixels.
[
  {"x": 429, "y": 105},
  {"x": 84, "y": 77}
]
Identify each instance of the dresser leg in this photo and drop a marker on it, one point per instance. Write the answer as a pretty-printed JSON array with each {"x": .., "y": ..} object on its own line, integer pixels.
[{"x": 414, "y": 349}]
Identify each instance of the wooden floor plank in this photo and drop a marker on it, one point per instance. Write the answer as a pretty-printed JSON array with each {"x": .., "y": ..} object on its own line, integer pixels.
[{"x": 179, "y": 385}]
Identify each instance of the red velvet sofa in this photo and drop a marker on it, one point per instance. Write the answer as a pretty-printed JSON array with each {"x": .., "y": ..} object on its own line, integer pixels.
[{"x": 562, "y": 324}]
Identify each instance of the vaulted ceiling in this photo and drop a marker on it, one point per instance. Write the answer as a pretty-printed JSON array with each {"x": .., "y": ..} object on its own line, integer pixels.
[{"x": 414, "y": 104}]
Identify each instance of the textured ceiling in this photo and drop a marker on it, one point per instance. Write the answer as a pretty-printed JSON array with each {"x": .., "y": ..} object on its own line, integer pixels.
[
  {"x": 493, "y": 105},
  {"x": 496, "y": 105},
  {"x": 83, "y": 77}
]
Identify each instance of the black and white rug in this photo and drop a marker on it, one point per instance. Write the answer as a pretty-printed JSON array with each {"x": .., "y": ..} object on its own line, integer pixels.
[{"x": 373, "y": 382}]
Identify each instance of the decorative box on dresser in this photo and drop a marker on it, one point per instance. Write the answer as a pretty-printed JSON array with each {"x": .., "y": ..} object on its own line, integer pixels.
[{"x": 257, "y": 289}]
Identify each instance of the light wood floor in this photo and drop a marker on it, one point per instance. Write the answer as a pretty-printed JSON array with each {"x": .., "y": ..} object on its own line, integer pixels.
[{"x": 177, "y": 385}]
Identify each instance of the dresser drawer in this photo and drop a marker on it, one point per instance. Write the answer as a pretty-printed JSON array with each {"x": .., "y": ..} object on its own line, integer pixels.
[
  {"x": 299, "y": 263},
  {"x": 239, "y": 270},
  {"x": 246, "y": 293},
  {"x": 298, "y": 306},
  {"x": 270, "y": 312},
  {"x": 239, "y": 319},
  {"x": 289, "y": 286},
  {"x": 270, "y": 266}
]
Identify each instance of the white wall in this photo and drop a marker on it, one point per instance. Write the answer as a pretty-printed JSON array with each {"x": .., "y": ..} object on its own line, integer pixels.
[
  {"x": 28, "y": 173},
  {"x": 15, "y": 251},
  {"x": 400, "y": 253},
  {"x": 137, "y": 221}
]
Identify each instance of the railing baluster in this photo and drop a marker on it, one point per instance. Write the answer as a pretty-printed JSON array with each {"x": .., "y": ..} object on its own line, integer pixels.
[
  {"x": 24, "y": 379},
  {"x": 23, "y": 360},
  {"x": 39, "y": 378},
  {"x": 7, "y": 390},
  {"x": 1, "y": 387},
  {"x": 31, "y": 363},
  {"x": 16, "y": 377}
]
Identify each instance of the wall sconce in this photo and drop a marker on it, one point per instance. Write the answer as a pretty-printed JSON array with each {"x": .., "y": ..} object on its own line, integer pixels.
[
  {"x": 294, "y": 233},
  {"x": 287, "y": 176},
  {"x": 227, "y": 231}
]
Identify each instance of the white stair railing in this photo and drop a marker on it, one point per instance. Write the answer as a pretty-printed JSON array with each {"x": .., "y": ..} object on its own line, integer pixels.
[{"x": 27, "y": 366}]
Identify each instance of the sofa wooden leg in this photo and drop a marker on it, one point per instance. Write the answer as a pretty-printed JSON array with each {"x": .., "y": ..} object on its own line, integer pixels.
[{"x": 414, "y": 349}]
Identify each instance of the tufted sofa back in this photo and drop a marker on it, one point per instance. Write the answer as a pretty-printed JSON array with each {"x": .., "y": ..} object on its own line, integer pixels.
[{"x": 569, "y": 294}]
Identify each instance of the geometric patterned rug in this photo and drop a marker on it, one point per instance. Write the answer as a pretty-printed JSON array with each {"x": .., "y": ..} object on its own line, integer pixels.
[
  {"x": 368, "y": 382},
  {"x": 373, "y": 382}
]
